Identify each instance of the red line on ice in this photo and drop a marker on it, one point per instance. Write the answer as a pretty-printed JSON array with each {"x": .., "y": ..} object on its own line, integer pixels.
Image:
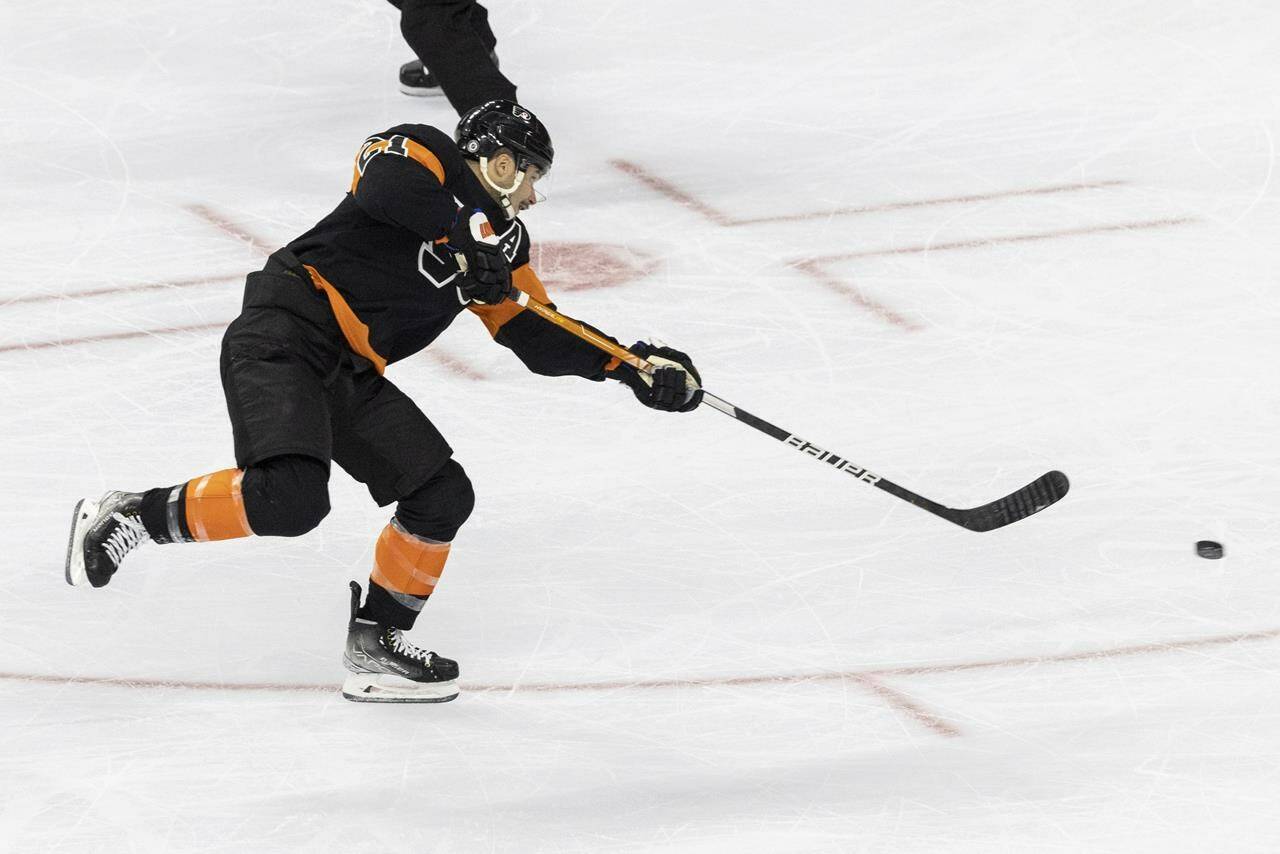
[
  {"x": 909, "y": 707},
  {"x": 886, "y": 207},
  {"x": 871, "y": 678},
  {"x": 688, "y": 200},
  {"x": 122, "y": 289},
  {"x": 111, "y": 336},
  {"x": 456, "y": 366},
  {"x": 227, "y": 226},
  {"x": 205, "y": 213},
  {"x": 671, "y": 191},
  {"x": 1090, "y": 655},
  {"x": 983, "y": 242},
  {"x": 813, "y": 268}
]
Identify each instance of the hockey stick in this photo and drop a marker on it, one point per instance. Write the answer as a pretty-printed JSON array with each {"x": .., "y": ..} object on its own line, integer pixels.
[{"x": 1030, "y": 499}]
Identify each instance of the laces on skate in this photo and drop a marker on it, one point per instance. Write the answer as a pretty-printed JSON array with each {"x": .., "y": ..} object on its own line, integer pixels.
[
  {"x": 396, "y": 641},
  {"x": 127, "y": 536}
]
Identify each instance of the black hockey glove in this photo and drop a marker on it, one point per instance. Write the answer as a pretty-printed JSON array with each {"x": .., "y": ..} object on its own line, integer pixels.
[
  {"x": 487, "y": 276},
  {"x": 668, "y": 388}
]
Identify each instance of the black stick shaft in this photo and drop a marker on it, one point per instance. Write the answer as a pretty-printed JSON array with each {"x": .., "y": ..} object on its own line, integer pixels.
[
  {"x": 1032, "y": 498},
  {"x": 821, "y": 454}
]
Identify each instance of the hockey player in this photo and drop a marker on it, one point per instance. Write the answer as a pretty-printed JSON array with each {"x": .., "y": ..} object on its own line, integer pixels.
[{"x": 374, "y": 282}]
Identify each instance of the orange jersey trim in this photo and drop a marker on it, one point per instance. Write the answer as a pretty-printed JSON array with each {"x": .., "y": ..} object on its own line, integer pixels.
[
  {"x": 215, "y": 507},
  {"x": 353, "y": 328},
  {"x": 402, "y": 146},
  {"x": 494, "y": 316}
]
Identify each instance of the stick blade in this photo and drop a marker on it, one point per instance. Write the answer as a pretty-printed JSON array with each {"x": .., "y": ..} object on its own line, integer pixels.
[{"x": 1045, "y": 490}]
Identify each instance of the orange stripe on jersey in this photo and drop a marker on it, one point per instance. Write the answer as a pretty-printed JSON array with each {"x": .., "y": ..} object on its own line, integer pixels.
[
  {"x": 353, "y": 328},
  {"x": 403, "y": 563},
  {"x": 215, "y": 507},
  {"x": 399, "y": 145},
  {"x": 427, "y": 158},
  {"x": 494, "y": 316}
]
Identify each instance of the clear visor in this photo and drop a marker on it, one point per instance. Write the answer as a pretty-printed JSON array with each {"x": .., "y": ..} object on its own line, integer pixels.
[{"x": 536, "y": 176}]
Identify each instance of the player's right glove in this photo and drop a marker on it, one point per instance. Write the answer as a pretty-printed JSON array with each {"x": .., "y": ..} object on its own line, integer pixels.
[
  {"x": 486, "y": 278},
  {"x": 674, "y": 387}
]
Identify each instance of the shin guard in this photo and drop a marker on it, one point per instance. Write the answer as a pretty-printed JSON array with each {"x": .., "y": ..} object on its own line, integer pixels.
[
  {"x": 406, "y": 569},
  {"x": 215, "y": 507}
]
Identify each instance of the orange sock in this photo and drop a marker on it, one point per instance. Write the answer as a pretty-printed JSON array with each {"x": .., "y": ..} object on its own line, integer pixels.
[
  {"x": 215, "y": 507},
  {"x": 406, "y": 564}
]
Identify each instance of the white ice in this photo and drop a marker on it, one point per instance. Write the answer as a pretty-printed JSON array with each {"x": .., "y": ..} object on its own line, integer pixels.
[{"x": 1099, "y": 295}]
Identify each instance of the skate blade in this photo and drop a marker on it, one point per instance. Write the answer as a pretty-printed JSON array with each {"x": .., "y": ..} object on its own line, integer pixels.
[
  {"x": 421, "y": 92},
  {"x": 81, "y": 518},
  {"x": 387, "y": 688}
]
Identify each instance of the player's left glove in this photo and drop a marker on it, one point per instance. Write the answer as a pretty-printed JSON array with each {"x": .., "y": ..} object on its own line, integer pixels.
[
  {"x": 486, "y": 278},
  {"x": 674, "y": 387}
]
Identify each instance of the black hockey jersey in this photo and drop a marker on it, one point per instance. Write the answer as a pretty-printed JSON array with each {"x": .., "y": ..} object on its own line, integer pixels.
[{"x": 380, "y": 258}]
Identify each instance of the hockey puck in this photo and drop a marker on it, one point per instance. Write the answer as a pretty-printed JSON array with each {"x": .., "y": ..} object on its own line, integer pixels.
[{"x": 1209, "y": 549}]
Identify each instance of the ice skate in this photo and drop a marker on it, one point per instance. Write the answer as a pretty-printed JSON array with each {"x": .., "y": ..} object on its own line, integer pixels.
[
  {"x": 102, "y": 533},
  {"x": 419, "y": 82},
  {"x": 386, "y": 668}
]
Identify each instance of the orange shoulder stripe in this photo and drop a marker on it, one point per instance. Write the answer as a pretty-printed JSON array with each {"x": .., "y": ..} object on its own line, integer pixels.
[
  {"x": 427, "y": 158},
  {"x": 401, "y": 145},
  {"x": 494, "y": 316},
  {"x": 353, "y": 328}
]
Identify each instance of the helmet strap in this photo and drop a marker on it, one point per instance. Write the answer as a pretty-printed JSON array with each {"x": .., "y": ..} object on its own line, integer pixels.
[{"x": 504, "y": 194}]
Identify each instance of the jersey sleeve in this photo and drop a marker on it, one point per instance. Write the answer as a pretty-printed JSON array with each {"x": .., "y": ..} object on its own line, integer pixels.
[
  {"x": 543, "y": 347},
  {"x": 399, "y": 178}
]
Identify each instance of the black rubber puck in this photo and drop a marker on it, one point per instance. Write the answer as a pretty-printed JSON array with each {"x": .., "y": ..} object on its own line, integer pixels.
[{"x": 1209, "y": 549}]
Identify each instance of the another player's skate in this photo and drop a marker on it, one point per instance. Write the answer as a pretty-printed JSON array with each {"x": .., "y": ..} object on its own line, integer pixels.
[
  {"x": 102, "y": 533},
  {"x": 386, "y": 668},
  {"x": 417, "y": 80}
]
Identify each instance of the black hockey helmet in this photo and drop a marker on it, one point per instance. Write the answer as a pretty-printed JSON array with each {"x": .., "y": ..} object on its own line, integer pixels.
[{"x": 505, "y": 124}]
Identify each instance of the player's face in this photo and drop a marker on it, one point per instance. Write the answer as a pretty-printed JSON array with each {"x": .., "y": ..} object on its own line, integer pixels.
[
  {"x": 526, "y": 195},
  {"x": 503, "y": 173}
]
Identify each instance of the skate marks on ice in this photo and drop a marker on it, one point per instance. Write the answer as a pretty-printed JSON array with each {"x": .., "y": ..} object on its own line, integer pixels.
[
  {"x": 816, "y": 267},
  {"x": 563, "y": 267},
  {"x": 871, "y": 680}
]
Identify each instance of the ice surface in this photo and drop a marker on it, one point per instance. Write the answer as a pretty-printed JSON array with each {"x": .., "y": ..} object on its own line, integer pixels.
[{"x": 961, "y": 244}]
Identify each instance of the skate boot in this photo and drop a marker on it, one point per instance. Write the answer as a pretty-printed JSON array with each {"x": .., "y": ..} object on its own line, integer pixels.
[
  {"x": 386, "y": 668},
  {"x": 102, "y": 533},
  {"x": 416, "y": 80}
]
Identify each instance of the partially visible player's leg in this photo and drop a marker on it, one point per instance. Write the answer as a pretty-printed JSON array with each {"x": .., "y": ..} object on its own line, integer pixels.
[
  {"x": 383, "y": 440},
  {"x": 282, "y": 496},
  {"x": 279, "y": 360},
  {"x": 413, "y": 547},
  {"x": 453, "y": 40}
]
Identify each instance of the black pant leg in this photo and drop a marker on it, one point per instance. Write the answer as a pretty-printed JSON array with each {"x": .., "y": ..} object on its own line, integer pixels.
[
  {"x": 454, "y": 40},
  {"x": 480, "y": 26},
  {"x": 279, "y": 360},
  {"x": 380, "y": 436}
]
